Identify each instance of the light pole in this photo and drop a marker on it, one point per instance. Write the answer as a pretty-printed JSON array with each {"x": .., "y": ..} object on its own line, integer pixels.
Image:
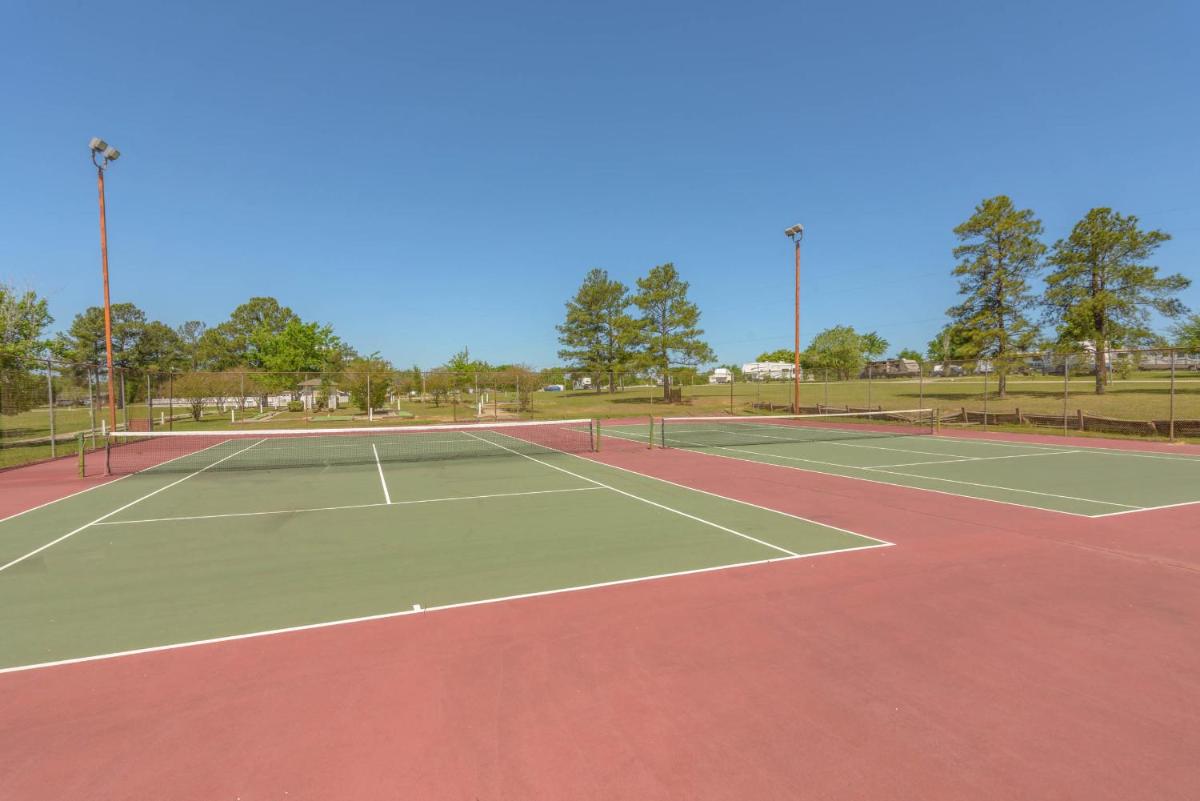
[
  {"x": 102, "y": 154},
  {"x": 796, "y": 233}
]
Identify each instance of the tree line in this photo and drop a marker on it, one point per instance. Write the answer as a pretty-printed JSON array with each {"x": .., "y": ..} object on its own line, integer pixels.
[
  {"x": 601, "y": 334},
  {"x": 1099, "y": 288}
]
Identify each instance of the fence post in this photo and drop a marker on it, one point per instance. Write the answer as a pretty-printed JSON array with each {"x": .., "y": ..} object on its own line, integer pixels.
[
  {"x": 870, "y": 372},
  {"x": 1171, "y": 424},
  {"x": 370, "y": 406},
  {"x": 93, "y": 379},
  {"x": 1066, "y": 388},
  {"x": 650, "y": 441},
  {"x": 825, "y": 379},
  {"x": 50, "y": 397},
  {"x": 81, "y": 450},
  {"x": 731, "y": 380},
  {"x": 171, "y": 400},
  {"x": 921, "y": 384},
  {"x": 985, "y": 395},
  {"x": 149, "y": 404},
  {"x": 124, "y": 403}
]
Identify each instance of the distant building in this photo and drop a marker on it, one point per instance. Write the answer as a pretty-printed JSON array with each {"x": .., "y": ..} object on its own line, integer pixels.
[
  {"x": 772, "y": 371},
  {"x": 721, "y": 375}
]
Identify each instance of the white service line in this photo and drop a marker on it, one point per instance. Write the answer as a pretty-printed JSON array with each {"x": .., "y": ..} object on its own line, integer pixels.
[
  {"x": 414, "y": 502},
  {"x": 973, "y": 459},
  {"x": 413, "y": 611},
  {"x": 387, "y": 497},
  {"x": 118, "y": 510},
  {"x": 1148, "y": 509},
  {"x": 639, "y": 498}
]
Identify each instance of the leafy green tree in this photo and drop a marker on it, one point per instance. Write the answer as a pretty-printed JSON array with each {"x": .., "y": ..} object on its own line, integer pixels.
[
  {"x": 366, "y": 394},
  {"x": 873, "y": 345},
  {"x": 1101, "y": 288},
  {"x": 837, "y": 350},
  {"x": 298, "y": 348},
  {"x": 158, "y": 348},
  {"x": 190, "y": 334},
  {"x": 24, "y": 318},
  {"x": 1187, "y": 333},
  {"x": 909, "y": 353},
  {"x": 782, "y": 355},
  {"x": 953, "y": 342},
  {"x": 598, "y": 334},
  {"x": 235, "y": 341},
  {"x": 999, "y": 252},
  {"x": 84, "y": 341},
  {"x": 669, "y": 327}
]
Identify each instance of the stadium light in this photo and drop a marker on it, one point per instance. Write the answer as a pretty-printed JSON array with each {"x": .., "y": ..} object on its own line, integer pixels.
[
  {"x": 102, "y": 155},
  {"x": 796, "y": 233}
]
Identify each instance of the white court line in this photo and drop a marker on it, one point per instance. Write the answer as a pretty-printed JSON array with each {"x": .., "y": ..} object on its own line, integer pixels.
[
  {"x": 947, "y": 480},
  {"x": 104, "y": 517},
  {"x": 1148, "y": 509},
  {"x": 1100, "y": 449},
  {"x": 387, "y": 497},
  {"x": 349, "y": 506},
  {"x": 445, "y": 607},
  {"x": 742, "y": 502},
  {"x": 639, "y": 498},
  {"x": 972, "y": 459},
  {"x": 882, "y": 483},
  {"x": 63, "y": 498}
]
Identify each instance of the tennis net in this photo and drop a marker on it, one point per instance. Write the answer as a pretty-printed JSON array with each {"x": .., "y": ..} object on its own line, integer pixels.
[
  {"x": 191, "y": 451},
  {"x": 727, "y": 431}
]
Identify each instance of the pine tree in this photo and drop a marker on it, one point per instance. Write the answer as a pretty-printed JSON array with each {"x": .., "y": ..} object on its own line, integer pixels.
[{"x": 670, "y": 324}]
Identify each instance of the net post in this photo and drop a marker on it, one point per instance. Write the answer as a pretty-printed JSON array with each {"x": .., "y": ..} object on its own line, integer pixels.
[
  {"x": 662, "y": 432},
  {"x": 79, "y": 449},
  {"x": 1171, "y": 423},
  {"x": 50, "y": 399},
  {"x": 596, "y": 434}
]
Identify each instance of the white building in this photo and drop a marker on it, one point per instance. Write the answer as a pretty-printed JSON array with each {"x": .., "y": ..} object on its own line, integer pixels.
[
  {"x": 721, "y": 375},
  {"x": 774, "y": 371}
]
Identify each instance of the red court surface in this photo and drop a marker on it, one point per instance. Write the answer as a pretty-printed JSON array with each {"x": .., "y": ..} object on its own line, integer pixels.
[{"x": 995, "y": 653}]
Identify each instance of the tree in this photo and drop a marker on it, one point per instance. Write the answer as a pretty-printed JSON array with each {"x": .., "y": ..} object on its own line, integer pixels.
[
  {"x": 873, "y": 345},
  {"x": 84, "y": 341},
  {"x": 999, "y": 253},
  {"x": 782, "y": 355},
  {"x": 368, "y": 394},
  {"x": 669, "y": 326},
  {"x": 24, "y": 317},
  {"x": 158, "y": 348},
  {"x": 299, "y": 347},
  {"x": 1187, "y": 333},
  {"x": 909, "y": 353},
  {"x": 190, "y": 334},
  {"x": 952, "y": 342},
  {"x": 598, "y": 334},
  {"x": 837, "y": 350},
  {"x": 1102, "y": 290}
]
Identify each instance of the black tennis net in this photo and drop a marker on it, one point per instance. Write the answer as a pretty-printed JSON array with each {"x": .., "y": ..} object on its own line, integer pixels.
[
  {"x": 191, "y": 451},
  {"x": 729, "y": 431}
]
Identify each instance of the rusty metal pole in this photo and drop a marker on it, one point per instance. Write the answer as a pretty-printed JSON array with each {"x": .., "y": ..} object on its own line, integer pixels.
[
  {"x": 108, "y": 349},
  {"x": 796, "y": 232}
]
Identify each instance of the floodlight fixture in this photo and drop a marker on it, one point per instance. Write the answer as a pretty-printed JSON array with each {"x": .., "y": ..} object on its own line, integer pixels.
[
  {"x": 111, "y": 154},
  {"x": 98, "y": 145},
  {"x": 795, "y": 231}
]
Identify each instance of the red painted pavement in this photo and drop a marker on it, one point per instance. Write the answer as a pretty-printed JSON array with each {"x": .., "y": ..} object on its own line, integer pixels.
[
  {"x": 23, "y": 488},
  {"x": 997, "y": 653}
]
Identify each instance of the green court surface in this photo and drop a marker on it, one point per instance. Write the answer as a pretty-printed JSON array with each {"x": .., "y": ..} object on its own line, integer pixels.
[
  {"x": 163, "y": 558},
  {"x": 1067, "y": 478}
]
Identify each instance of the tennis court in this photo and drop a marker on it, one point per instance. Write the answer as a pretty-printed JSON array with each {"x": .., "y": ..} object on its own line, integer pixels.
[
  {"x": 216, "y": 536},
  {"x": 900, "y": 448}
]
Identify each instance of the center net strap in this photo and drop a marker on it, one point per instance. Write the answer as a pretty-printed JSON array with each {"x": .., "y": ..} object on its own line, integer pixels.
[{"x": 727, "y": 431}]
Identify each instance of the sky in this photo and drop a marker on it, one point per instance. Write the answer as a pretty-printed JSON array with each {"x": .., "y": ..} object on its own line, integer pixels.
[{"x": 429, "y": 176}]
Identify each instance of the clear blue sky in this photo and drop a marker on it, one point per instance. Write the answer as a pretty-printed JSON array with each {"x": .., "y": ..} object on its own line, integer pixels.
[{"x": 427, "y": 176}]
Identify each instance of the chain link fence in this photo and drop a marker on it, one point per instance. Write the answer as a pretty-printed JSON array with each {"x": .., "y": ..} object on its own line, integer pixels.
[{"x": 51, "y": 409}]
